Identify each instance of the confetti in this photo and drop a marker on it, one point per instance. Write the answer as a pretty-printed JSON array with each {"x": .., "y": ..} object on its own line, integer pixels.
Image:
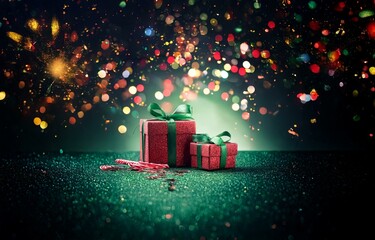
[
  {"x": 155, "y": 170},
  {"x": 60, "y": 73}
]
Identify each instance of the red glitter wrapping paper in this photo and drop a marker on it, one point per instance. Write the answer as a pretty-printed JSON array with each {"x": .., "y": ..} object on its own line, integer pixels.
[
  {"x": 156, "y": 141},
  {"x": 211, "y": 155}
]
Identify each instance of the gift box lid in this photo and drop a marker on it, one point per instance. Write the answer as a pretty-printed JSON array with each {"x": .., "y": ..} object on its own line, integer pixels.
[
  {"x": 213, "y": 150},
  {"x": 158, "y": 127}
]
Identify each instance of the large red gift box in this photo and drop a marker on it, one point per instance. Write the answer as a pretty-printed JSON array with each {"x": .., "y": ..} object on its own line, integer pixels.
[
  {"x": 155, "y": 140},
  {"x": 211, "y": 154}
]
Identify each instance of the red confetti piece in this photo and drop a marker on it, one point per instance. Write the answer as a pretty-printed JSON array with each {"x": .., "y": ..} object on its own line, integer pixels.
[
  {"x": 230, "y": 38},
  {"x": 371, "y": 29},
  {"x": 170, "y": 59},
  {"x": 315, "y": 68},
  {"x": 217, "y": 56},
  {"x": 255, "y": 53}
]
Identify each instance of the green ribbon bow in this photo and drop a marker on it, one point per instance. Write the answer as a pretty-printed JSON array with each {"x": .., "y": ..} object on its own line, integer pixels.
[
  {"x": 182, "y": 112},
  {"x": 217, "y": 140}
]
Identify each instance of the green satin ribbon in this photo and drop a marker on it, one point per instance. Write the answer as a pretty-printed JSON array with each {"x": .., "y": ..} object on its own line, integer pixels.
[
  {"x": 217, "y": 140},
  {"x": 182, "y": 112}
]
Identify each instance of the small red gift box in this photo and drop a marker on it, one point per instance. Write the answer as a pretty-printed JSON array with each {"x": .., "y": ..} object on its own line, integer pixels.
[
  {"x": 156, "y": 145},
  {"x": 210, "y": 155}
]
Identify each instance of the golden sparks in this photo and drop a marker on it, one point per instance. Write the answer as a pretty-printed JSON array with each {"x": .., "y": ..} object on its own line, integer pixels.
[
  {"x": 33, "y": 24},
  {"x": 58, "y": 68},
  {"x": 15, "y": 36},
  {"x": 55, "y": 27}
]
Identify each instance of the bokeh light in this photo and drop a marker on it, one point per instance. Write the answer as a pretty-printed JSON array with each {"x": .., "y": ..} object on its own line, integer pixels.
[
  {"x": 276, "y": 61},
  {"x": 122, "y": 129},
  {"x": 2, "y": 95}
]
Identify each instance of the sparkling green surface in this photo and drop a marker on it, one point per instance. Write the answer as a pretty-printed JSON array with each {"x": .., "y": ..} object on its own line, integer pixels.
[{"x": 269, "y": 195}]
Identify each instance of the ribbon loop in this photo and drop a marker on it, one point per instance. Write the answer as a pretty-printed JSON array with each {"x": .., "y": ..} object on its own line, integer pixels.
[
  {"x": 225, "y": 134},
  {"x": 219, "y": 139},
  {"x": 203, "y": 138},
  {"x": 156, "y": 111}
]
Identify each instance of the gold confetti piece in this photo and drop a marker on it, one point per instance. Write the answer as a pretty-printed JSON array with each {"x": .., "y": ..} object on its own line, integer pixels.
[
  {"x": 55, "y": 27},
  {"x": 15, "y": 36}
]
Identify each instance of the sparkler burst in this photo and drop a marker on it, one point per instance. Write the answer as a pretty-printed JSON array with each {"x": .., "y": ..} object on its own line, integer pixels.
[
  {"x": 56, "y": 60},
  {"x": 58, "y": 69}
]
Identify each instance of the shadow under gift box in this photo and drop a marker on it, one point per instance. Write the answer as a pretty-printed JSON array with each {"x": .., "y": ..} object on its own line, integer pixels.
[
  {"x": 210, "y": 154},
  {"x": 156, "y": 142}
]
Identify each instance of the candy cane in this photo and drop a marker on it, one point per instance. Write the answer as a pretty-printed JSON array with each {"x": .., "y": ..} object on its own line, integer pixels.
[
  {"x": 111, "y": 167},
  {"x": 143, "y": 164}
]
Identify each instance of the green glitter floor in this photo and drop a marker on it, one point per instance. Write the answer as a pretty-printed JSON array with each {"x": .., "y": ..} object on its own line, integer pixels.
[{"x": 270, "y": 195}]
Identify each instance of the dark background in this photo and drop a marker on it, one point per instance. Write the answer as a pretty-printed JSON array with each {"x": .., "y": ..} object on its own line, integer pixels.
[{"x": 344, "y": 110}]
